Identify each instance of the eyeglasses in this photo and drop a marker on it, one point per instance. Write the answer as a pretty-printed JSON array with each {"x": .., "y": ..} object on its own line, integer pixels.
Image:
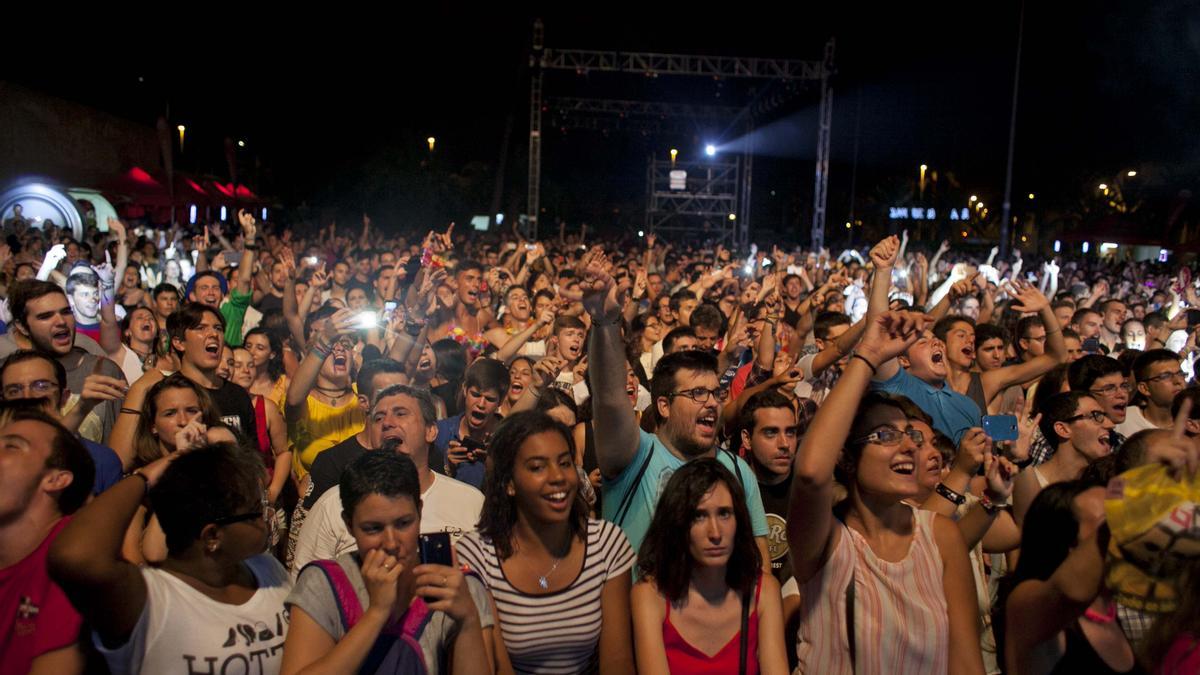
[
  {"x": 36, "y": 389},
  {"x": 267, "y": 514},
  {"x": 892, "y": 437},
  {"x": 1096, "y": 416},
  {"x": 697, "y": 394},
  {"x": 1111, "y": 389},
  {"x": 1163, "y": 377}
]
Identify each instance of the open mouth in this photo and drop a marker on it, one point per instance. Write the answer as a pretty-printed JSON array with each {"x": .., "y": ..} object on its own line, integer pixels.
[
  {"x": 1105, "y": 443},
  {"x": 707, "y": 424},
  {"x": 515, "y": 389},
  {"x": 631, "y": 391},
  {"x": 938, "y": 357},
  {"x": 476, "y": 418},
  {"x": 904, "y": 468},
  {"x": 424, "y": 364},
  {"x": 61, "y": 336},
  {"x": 573, "y": 350},
  {"x": 339, "y": 361},
  {"x": 969, "y": 353},
  {"x": 558, "y": 500},
  {"x": 213, "y": 348}
]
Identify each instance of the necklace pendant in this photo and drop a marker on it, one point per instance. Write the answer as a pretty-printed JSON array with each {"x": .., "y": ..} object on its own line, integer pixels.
[{"x": 543, "y": 583}]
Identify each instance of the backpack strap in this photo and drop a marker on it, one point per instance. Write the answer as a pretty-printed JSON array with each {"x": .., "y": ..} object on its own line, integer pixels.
[
  {"x": 737, "y": 470},
  {"x": 627, "y": 500},
  {"x": 349, "y": 607}
]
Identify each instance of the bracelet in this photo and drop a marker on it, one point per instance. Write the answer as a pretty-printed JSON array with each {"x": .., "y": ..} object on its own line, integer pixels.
[
  {"x": 874, "y": 370},
  {"x": 1052, "y": 332},
  {"x": 951, "y": 496},
  {"x": 130, "y": 411},
  {"x": 320, "y": 349},
  {"x": 250, "y": 247},
  {"x": 139, "y": 474},
  {"x": 989, "y": 507}
]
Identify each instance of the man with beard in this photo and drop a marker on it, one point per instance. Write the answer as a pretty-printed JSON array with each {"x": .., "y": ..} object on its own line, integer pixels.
[
  {"x": 635, "y": 464},
  {"x": 43, "y": 317},
  {"x": 768, "y": 436},
  {"x": 403, "y": 420},
  {"x": 271, "y": 299},
  {"x": 1075, "y": 423}
]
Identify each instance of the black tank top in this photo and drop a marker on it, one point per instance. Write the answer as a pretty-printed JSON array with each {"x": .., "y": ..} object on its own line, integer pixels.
[{"x": 1081, "y": 657}]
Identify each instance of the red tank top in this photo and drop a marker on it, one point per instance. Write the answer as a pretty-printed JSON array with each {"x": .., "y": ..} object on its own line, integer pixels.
[
  {"x": 682, "y": 657},
  {"x": 264, "y": 438}
]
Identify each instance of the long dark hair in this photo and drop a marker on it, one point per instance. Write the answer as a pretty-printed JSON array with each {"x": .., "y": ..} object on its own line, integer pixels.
[
  {"x": 499, "y": 509},
  {"x": 275, "y": 363},
  {"x": 665, "y": 554}
]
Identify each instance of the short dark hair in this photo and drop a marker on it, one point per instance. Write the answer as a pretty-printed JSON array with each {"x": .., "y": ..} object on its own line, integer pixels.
[
  {"x": 1080, "y": 313},
  {"x": 365, "y": 380},
  {"x": 708, "y": 316},
  {"x": 825, "y": 322},
  {"x": 678, "y": 297},
  {"x": 942, "y": 328},
  {"x": 202, "y": 486},
  {"x": 487, "y": 375},
  {"x": 468, "y": 266},
  {"x": 422, "y": 395},
  {"x": 764, "y": 399},
  {"x": 1083, "y": 373},
  {"x": 1193, "y": 393},
  {"x": 1059, "y": 408},
  {"x": 1141, "y": 365},
  {"x": 162, "y": 288},
  {"x": 662, "y": 383},
  {"x": 674, "y": 335},
  {"x": 1022, "y": 330},
  {"x": 1154, "y": 319},
  {"x": 188, "y": 317},
  {"x": 77, "y": 279},
  {"x": 66, "y": 452},
  {"x": 552, "y": 398},
  {"x": 564, "y": 322},
  {"x": 21, "y": 293},
  {"x": 391, "y": 474},
  {"x": 499, "y": 512},
  {"x": 23, "y": 355},
  {"x": 665, "y": 555},
  {"x": 990, "y": 331}
]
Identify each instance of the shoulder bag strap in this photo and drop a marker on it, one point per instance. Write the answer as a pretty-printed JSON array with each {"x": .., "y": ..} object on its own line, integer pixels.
[{"x": 627, "y": 500}]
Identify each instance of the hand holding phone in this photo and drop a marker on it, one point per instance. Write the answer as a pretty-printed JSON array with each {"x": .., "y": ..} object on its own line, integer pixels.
[{"x": 1000, "y": 427}]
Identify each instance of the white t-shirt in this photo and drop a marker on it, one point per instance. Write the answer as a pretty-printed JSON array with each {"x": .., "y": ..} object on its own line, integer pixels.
[
  {"x": 447, "y": 506},
  {"x": 1135, "y": 421},
  {"x": 181, "y": 630}
]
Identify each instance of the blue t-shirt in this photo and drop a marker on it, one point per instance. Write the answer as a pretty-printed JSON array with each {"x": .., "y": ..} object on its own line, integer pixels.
[
  {"x": 952, "y": 412},
  {"x": 108, "y": 465},
  {"x": 471, "y": 473},
  {"x": 662, "y": 466}
]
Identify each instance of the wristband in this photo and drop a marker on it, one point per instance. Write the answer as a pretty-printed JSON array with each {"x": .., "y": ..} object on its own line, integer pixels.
[
  {"x": 138, "y": 473},
  {"x": 989, "y": 507},
  {"x": 950, "y": 495},
  {"x": 130, "y": 411},
  {"x": 874, "y": 370}
]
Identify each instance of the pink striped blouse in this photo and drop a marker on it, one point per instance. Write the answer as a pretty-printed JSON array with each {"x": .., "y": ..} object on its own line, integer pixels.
[{"x": 900, "y": 620}]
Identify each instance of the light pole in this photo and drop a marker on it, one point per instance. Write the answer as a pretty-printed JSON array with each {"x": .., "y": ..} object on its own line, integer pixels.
[
  {"x": 181, "y": 129},
  {"x": 431, "y": 141}
]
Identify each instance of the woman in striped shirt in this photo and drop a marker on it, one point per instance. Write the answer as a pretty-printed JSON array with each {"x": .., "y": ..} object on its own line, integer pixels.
[
  {"x": 559, "y": 580},
  {"x": 884, "y": 588}
]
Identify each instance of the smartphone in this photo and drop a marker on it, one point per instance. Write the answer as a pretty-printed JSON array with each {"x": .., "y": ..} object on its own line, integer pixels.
[
  {"x": 389, "y": 307},
  {"x": 312, "y": 260},
  {"x": 1000, "y": 427},
  {"x": 1092, "y": 346},
  {"x": 436, "y": 550},
  {"x": 367, "y": 319},
  {"x": 473, "y": 446},
  {"x": 530, "y": 247}
]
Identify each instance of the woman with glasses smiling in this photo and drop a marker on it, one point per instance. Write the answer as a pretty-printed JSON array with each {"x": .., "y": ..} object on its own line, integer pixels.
[
  {"x": 884, "y": 587},
  {"x": 216, "y": 601}
]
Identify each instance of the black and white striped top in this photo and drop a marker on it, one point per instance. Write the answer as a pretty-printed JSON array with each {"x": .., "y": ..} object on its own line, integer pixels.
[{"x": 556, "y": 632}]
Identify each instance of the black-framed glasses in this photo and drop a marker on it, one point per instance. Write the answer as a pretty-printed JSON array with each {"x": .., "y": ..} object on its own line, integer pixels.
[
  {"x": 697, "y": 394},
  {"x": 266, "y": 513},
  {"x": 1163, "y": 377},
  {"x": 1111, "y": 389},
  {"x": 1096, "y": 416},
  {"x": 892, "y": 437}
]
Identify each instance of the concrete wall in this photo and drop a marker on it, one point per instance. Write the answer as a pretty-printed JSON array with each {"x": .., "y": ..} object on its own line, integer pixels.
[{"x": 68, "y": 143}]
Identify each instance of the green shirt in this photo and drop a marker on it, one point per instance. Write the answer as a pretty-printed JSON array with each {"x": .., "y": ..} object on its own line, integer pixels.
[{"x": 234, "y": 313}]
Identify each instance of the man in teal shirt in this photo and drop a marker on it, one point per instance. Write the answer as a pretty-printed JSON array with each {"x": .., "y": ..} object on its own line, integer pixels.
[{"x": 637, "y": 465}]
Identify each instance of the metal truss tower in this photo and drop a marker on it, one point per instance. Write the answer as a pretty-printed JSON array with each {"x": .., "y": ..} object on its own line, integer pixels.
[{"x": 652, "y": 65}]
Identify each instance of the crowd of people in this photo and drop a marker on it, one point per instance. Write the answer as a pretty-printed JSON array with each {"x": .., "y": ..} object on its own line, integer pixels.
[{"x": 265, "y": 449}]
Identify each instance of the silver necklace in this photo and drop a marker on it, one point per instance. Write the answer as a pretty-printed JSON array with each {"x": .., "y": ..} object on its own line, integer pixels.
[{"x": 543, "y": 580}]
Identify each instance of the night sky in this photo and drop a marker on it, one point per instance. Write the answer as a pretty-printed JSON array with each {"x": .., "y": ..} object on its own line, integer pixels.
[{"x": 331, "y": 108}]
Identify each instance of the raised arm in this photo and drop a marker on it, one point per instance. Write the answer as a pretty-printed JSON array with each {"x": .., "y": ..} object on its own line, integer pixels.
[
  {"x": 249, "y": 252},
  {"x": 341, "y": 323},
  {"x": 613, "y": 418},
  {"x": 86, "y": 560},
  {"x": 1029, "y": 299},
  {"x": 810, "y": 520}
]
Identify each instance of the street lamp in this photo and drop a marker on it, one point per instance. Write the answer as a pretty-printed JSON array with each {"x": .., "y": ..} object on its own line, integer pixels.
[
  {"x": 431, "y": 141},
  {"x": 1131, "y": 174},
  {"x": 181, "y": 129},
  {"x": 1103, "y": 186},
  {"x": 674, "y": 154},
  {"x": 1031, "y": 195},
  {"x": 973, "y": 199},
  {"x": 924, "y": 168},
  {"x": 241, "y": 144}
]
